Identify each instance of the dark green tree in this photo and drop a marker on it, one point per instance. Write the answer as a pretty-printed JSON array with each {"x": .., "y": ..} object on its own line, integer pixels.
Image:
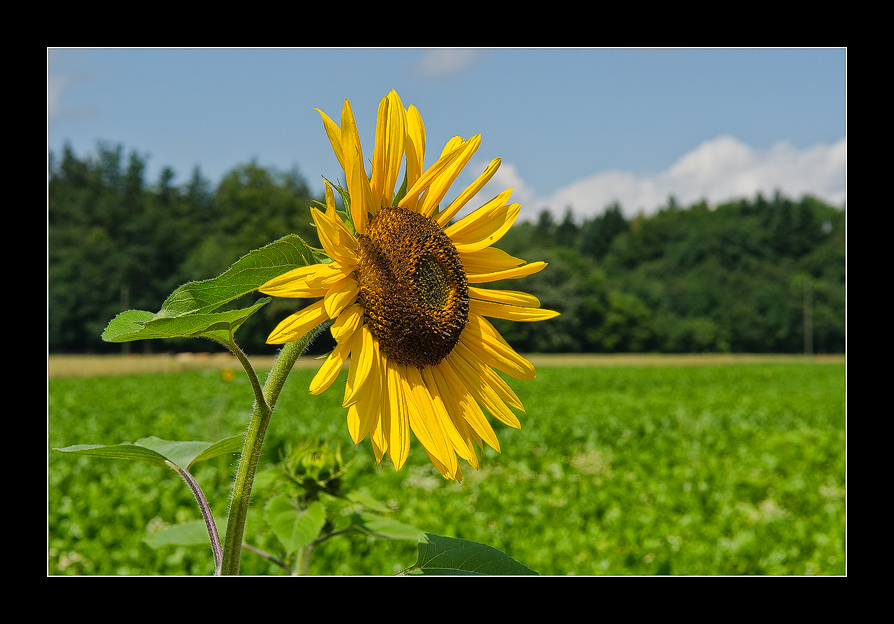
[{"x": 597, "y": 234}]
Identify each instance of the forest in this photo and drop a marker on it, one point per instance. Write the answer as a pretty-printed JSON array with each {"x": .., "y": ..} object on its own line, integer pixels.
[{"x": 756, "y": 275}]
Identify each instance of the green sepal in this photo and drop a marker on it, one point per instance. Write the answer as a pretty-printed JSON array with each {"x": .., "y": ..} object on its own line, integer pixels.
[
  {"x": 401, "y": 192},
  {"x": 346, "y": 213}
]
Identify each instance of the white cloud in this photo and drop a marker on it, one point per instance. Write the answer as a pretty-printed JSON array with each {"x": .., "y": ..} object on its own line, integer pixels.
[
  {"x": 58, "y": 84},
  {"x": 718, "y": 170},
  {"x": 444, "y": 61},
  {"x": 55, "y": 87}
]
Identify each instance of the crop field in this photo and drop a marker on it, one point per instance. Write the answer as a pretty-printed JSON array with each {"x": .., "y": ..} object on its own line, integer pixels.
[{"x": 642, "y": 465}]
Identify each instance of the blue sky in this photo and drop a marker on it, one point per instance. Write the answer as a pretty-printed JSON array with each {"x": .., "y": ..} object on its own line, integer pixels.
[{"x": 574, "y": 127}]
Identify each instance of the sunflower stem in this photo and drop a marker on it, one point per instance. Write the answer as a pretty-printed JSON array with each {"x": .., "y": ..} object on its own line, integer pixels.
[
  {"x": 251, "y": 453},
  {"x": 206, "y": 513},
  {"x": 303, "y": 563},
  {"x": 249, "y": 369},
  {"x": 265, "y": 401}
]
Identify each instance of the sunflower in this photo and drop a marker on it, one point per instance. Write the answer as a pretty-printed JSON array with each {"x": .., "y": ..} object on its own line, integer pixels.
[{"x": 402, "y": 290}]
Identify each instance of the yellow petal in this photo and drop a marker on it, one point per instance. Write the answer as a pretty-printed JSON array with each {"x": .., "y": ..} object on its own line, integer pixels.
[
  {"x": 354, "y": 425},
  {"x": 509, "y": 297},
  {"x": 444, "y": 470},
  {"x": 341, "y": 294},
  {"x": 485, "y": 226},
  {"x": 489, "y": 260},
  {"x": 454, "y": 425},
  {"x": 461, "y": 400},
  {"x": 425, "y": 423},
  {"x": 330, "y": 200},
  {"x": 483, "y": 393},
  {"x": 347, "y": 322},
  {"x": 444, "y": 216},
  {"x": 509, "y": 313},
  {"x": 331, "y": 367},
  {"x": 334, "y": 134},
  {"x": 453, "y": 144},
  {"x": 304, "y": 282},
  {"x": 511, "y": 214},
  {"x": 363, "y": 359},
  {"x": 481, "y": 222},
  {"x": 391, "y": 131},
  {"x": 490, "y": 378},
  {"x": 364, "y": 415},
  {"x": 377, "y": 437},
  {"x": 489, "y": 346},
  {"x": 439, "y": 187},
  {"x": 415, "y": 150},
  {"x": 514, "y": 273},
  {"x": 297, "y": 325},
  {"x": 362, "y": 420},
  {"x": 337, "y": 241},
  {"x": 355, "y": 174},
  {"x": 430, "y": 175},
  {"x": 395, "y": 423}
]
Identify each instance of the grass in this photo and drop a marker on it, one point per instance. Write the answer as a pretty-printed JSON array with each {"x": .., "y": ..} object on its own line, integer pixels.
[{"x": 622, "y": 466}]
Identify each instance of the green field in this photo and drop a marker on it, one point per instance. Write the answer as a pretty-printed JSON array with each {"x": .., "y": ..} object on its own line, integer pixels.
[{"x": 732, "y": 468}]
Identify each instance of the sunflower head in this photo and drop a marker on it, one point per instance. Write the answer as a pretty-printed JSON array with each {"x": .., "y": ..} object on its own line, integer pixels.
[
  {"x": 412, "y": 287},
  {"x": 399, "y": 292}
]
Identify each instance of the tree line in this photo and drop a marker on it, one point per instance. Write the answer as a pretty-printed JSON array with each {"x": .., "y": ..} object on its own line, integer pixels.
[{"x": 753, "y": 275}]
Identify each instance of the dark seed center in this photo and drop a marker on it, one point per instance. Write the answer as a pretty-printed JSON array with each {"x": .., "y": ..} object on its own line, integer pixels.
[{"x": 413, "y": 287}]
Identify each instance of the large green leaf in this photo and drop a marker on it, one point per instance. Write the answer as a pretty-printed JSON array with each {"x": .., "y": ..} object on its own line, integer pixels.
[
  {"x": 159, "y": 452},
  {"x": 245, "y": 276},
  {"x": 189, "y": 310},
  {"x": 134, "y": 325},
  {"x": 189, "y": 533},
  {"x": 438, "y": 555},
  {"x": 383, "y": 528},
  {"x": 295, "y": 527}
]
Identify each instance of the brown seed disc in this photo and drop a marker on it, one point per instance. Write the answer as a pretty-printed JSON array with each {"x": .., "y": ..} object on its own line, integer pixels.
[{"x": 413, "y": 287}]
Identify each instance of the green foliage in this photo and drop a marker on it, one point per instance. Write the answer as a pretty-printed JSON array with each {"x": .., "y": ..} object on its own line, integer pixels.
[
  {"x": 735, "y": 469},
  {"x": 158, "y": 452},
  {"x": 116, "y": 244},
  {"x": 295, "y": 527},
  {"x": 190, "y": 311},
  {"x": 444, "y": 555},
  {"x": 745, "y": 276}
]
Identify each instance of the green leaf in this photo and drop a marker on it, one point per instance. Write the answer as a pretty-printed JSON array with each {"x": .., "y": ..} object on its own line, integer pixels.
[
  {"x": 294, "y": 527},
  {"x": 245, "y": 276},
  {"x": 158, "y": 452},
  {"x": 383, "y": 528},
  {"x": 227, "y": 446},
  {"x": 189, "y": 533},
  {"x": 125, "y": 450},
  {"x": 364, "y": 498},
  {"x": 215, "y": 325},
  {"x": 189, "y": 311},
  {"x": 447, "y": 555}
]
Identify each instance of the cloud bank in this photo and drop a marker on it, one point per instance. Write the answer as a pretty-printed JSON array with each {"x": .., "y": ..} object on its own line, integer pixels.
[{"x": 718, "y": 170}]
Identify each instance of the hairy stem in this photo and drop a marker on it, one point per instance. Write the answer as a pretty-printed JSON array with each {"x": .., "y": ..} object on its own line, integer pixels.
[
  {"x": 249, "y": 369},
  {"x": 303, "y": 563},
  {"x": 216, "y": 548},
  {"x": 254, "y": 441}
]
